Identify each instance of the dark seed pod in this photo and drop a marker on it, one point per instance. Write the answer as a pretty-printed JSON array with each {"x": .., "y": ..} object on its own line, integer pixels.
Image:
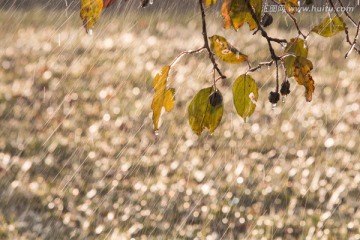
[
  {"x": 266, "y": 20},
  {"x": 144, "y": 3},
  {"x": 215, "y": 98},
  {"x": 274, "y": 97},
  {"x": 285, "y": 88}
]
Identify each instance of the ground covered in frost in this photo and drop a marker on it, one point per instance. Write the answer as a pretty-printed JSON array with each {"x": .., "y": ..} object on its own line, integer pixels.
[{"x": 79, "y": 159}]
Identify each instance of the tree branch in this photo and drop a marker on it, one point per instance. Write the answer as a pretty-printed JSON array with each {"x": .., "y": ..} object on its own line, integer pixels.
[
  {"x": 351, "y": 43},
  {"x": 263, "y": 32},
  {"x": 347, "y": 14},
  {"x": 260, "y": 65},
  {"x": 294, "y": 20},
  {"x": 178, "y": 57},
  {"x": 206, "y": 42},
  {"x": 354, "y": 42}
]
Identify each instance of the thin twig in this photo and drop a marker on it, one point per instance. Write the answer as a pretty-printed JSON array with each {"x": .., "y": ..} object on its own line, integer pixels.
[
  {"x": 296, "y": 24},
  {"x": 354, "y": 42},
  {"x": 294, "y": 20},
  {"x": 206, "y": 42},
  {"x": 263, "y": 32},
  {"x": 351, "y": 43},
  {"x": 260, "y": 65},
  {"x": 178, "y": 57},
  {"x": 347, "y": 14},
  {"x": 277, "y": 76}
]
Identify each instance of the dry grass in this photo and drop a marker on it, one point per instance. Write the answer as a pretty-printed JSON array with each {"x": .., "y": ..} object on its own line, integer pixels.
[{"x": 78, "y": 157}]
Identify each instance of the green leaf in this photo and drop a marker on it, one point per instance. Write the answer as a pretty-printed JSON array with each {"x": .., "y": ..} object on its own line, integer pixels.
[
  {"x": 236, "y": 13},
  {"x": 297, "y": 48},
  {"x": 225, "y": 50},
  {"x": 90, "y": 12},
  {"x": 209, "y": 3},
  {"x": 162, "y": 97},
  {"x": 330, "y": 27},
  {"x": 202, "y": 114},
  {"x": 245, "y": 95}
]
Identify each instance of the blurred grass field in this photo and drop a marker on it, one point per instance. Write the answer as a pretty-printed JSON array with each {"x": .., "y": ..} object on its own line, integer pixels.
[{"x": 79, "y": 158}]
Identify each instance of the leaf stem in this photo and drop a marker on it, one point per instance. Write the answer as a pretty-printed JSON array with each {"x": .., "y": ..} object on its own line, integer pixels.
[{"x": 260, "y": 65}]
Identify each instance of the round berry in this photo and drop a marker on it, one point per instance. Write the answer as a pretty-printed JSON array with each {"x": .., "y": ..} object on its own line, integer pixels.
[
  {"x": 215, "y": 98},
  {"x": 274, "y": 97},
  {"x": 285, "y": 88},
  {"x": 266, "y": 20}
]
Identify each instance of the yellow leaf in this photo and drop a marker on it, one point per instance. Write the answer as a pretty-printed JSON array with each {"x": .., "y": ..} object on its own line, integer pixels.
[
  {"x": 225, "y": 11},
  {"x": 225, "y": 50},
  {"x": 290, "y": 5},
  {"x": 236, "y": 13},
  {"x": 302, "y": 75},
  {"x": 209, "y": 3},
  {"x": 90, "y": 12},
  {"x": 163, "y": 97},
  {"x": 169, "y": 100}
]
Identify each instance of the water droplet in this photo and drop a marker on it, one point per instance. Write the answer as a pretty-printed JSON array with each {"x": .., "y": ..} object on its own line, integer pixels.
[
  {"x": 151, "y": 1},
  {"x": 90, "y": 32},
  {"x": 156, "y": 132},
  {"x": 283, "y": 99},
  {"x": 273, "y": 106}
]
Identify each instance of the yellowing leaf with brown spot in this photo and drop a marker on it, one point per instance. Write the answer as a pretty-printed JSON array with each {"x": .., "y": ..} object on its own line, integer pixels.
[
  {"x": 225, "y": 50},
  {"x": 163, "y": 97},
  {"x": 302, "y": 68},
  {"x": 90, "y": 12}
]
